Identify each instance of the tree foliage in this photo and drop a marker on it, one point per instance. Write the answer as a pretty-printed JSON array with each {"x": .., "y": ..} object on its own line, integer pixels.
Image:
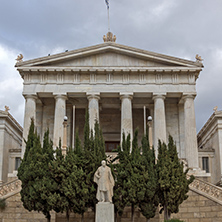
[
  {"x": 65, "y": 183},
  {"x": 34, "y": 173},
  {"x": 136, "y": 178},
  {"x": 173, "y": 183},
  {"x": 148, "y": 205},
  {"x": 122, "y": 172},
  {"x": 71, "y": 192}
]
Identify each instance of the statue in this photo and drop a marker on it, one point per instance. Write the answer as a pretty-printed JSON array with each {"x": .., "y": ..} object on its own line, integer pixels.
[
  {"x": 198, "y": 58},
  {"x": 215, "y": 109},
  {"x": 104, "y": 179},
  {"x": 19, "y": 58},
  {"x": 109, "y": 37},
  {"x": 6, "y": 109}
]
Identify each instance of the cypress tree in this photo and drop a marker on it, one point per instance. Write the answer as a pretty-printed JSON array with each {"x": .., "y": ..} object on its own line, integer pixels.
[
  {"x": 33, "y": 173},
  {"x": 150, "y": 201},
  {"x": 173, "y": 184},
  {"x": 92, "y": 155},
  {"x": 59, "y": 198},
  {"x": 76, "y": 189},
  {"x": 137, "y": 176},
  {"x": 120, "y": 197},
  {"x": 131, "y": 175}
]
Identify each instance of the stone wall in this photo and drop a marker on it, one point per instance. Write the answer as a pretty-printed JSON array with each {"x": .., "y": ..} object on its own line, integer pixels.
[
  {"x": 196, "y": 208},
  {"x": 90, "y": 217},
  {"x": 15, "y": 212}
]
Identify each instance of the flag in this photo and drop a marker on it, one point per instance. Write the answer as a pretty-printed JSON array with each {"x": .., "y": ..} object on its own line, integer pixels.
[{"x": 107, "y": 3}]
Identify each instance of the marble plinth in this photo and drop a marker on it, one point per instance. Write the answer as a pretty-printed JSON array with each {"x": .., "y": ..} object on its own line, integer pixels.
[{"x": 104, "y": 212}]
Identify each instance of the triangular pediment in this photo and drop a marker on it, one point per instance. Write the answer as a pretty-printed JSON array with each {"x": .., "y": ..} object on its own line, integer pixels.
[{"x": 109, "y": 55}]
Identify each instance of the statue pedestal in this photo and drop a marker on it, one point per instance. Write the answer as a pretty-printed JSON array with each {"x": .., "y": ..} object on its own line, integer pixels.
[{"x": 104, "y": 212}]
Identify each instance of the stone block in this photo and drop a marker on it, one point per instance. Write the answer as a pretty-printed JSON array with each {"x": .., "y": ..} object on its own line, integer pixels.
[
  {"x": 199, "y": 215},
  {"x": 193, "y": 209},
  {"x": 210, "y": 203},
  {"x": 219, "y": 214},
  {"x": 205, "y": 209},
  {"x": 187, "y": 215},
  {"x": 104, "y": 212},
  {"x": 194, "y": 220},
  {"x": 183, "y": 209},
  {"x": 206, "y": 220},
  {"x": 202, "y": 198},
  {"x": 216, "y": 208},
  {"x": 211, "y": 214},
  {"x": 200, "y": 203}
]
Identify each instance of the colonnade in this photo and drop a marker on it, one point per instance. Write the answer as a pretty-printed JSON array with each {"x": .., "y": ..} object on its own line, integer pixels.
[{"x": 159, "y": 123}]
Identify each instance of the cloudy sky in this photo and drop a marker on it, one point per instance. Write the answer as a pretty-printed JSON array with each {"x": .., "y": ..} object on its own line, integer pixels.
[{"x": 180, "y": 28}]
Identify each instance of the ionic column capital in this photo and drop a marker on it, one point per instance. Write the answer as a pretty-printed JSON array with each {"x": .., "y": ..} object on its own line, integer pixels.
[
  {"x": 93, "y": 96},
  {"x": 126, "y": 96},
  {"x": 188, "y": 96},
  {"x": 159, "y": 96},
  {"x": 60, "y": 96},
  {"x": 30, "y": 96}
]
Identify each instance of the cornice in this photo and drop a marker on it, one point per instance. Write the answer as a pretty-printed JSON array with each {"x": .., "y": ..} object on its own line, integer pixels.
[
  {"x": 109, "y": 47},
  {"x": 11, "y": 119},
  {"x": 85, "y": 69},
  {"x": 209, "y": 128}
]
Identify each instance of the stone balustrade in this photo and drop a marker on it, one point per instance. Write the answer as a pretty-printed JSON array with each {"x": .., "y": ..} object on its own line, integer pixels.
[
  {"x": 207, "y": 189},
  {"x": 10, "y": 188},
  {"x": 199, "y": 186}
]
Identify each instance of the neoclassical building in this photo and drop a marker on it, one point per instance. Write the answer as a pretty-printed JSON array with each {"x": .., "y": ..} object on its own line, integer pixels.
[
  {"x": 120, "y": 86},
  {"x": 210, "y": 147},
  {"x": 10, "y": 145}
]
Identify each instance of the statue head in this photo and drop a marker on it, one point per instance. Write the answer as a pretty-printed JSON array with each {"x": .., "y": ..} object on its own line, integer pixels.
[{"x": 103, "y": 163}]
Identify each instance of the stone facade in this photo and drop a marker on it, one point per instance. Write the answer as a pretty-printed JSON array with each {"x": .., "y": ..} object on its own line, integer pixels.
[
  {"x": 10, "y": 145},
  {"x": 197, "y": 208},
  {"x": 210, "y": 147},
  {"x": 120, "y": 86}
]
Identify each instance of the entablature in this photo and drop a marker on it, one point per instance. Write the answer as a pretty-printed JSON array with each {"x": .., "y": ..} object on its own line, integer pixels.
[
  {"x": 104, "y": 70},
  {"x": 108, "y": 76}
]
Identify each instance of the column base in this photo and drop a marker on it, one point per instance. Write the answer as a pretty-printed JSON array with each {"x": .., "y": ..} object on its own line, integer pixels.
[{"x": 104, "y": 212}]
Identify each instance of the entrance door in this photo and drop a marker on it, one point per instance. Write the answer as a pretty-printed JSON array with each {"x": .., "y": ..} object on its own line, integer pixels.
[{"x": 111, "y": 146}]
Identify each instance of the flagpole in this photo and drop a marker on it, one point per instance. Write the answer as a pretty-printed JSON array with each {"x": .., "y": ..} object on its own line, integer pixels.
[{"x": 108, "y": 20}]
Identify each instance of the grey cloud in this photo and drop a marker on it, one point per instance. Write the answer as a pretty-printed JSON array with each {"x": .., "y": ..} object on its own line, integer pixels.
[{"x": 178, "y": 28}]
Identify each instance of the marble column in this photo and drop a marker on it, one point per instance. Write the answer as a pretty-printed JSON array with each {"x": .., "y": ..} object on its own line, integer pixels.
[
  {"x": 126, "y": 115},
  {"x": 159, "y": 121},
  {"x": 60, "y": 112},
  {"x": 190, "y": 132},
  {"x": 93, "y": 109},
  {"x": 30, "y": 112}
]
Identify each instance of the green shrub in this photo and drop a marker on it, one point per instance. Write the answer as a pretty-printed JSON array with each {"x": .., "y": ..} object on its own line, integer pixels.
[{"x": 2, "y": 204}]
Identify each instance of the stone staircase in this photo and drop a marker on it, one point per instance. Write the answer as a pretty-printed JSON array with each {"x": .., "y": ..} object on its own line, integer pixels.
[
  {"x": 199, "y": 186},
  {"x": 203, "y": 197},
  {"x": 207, "y": 190}
]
